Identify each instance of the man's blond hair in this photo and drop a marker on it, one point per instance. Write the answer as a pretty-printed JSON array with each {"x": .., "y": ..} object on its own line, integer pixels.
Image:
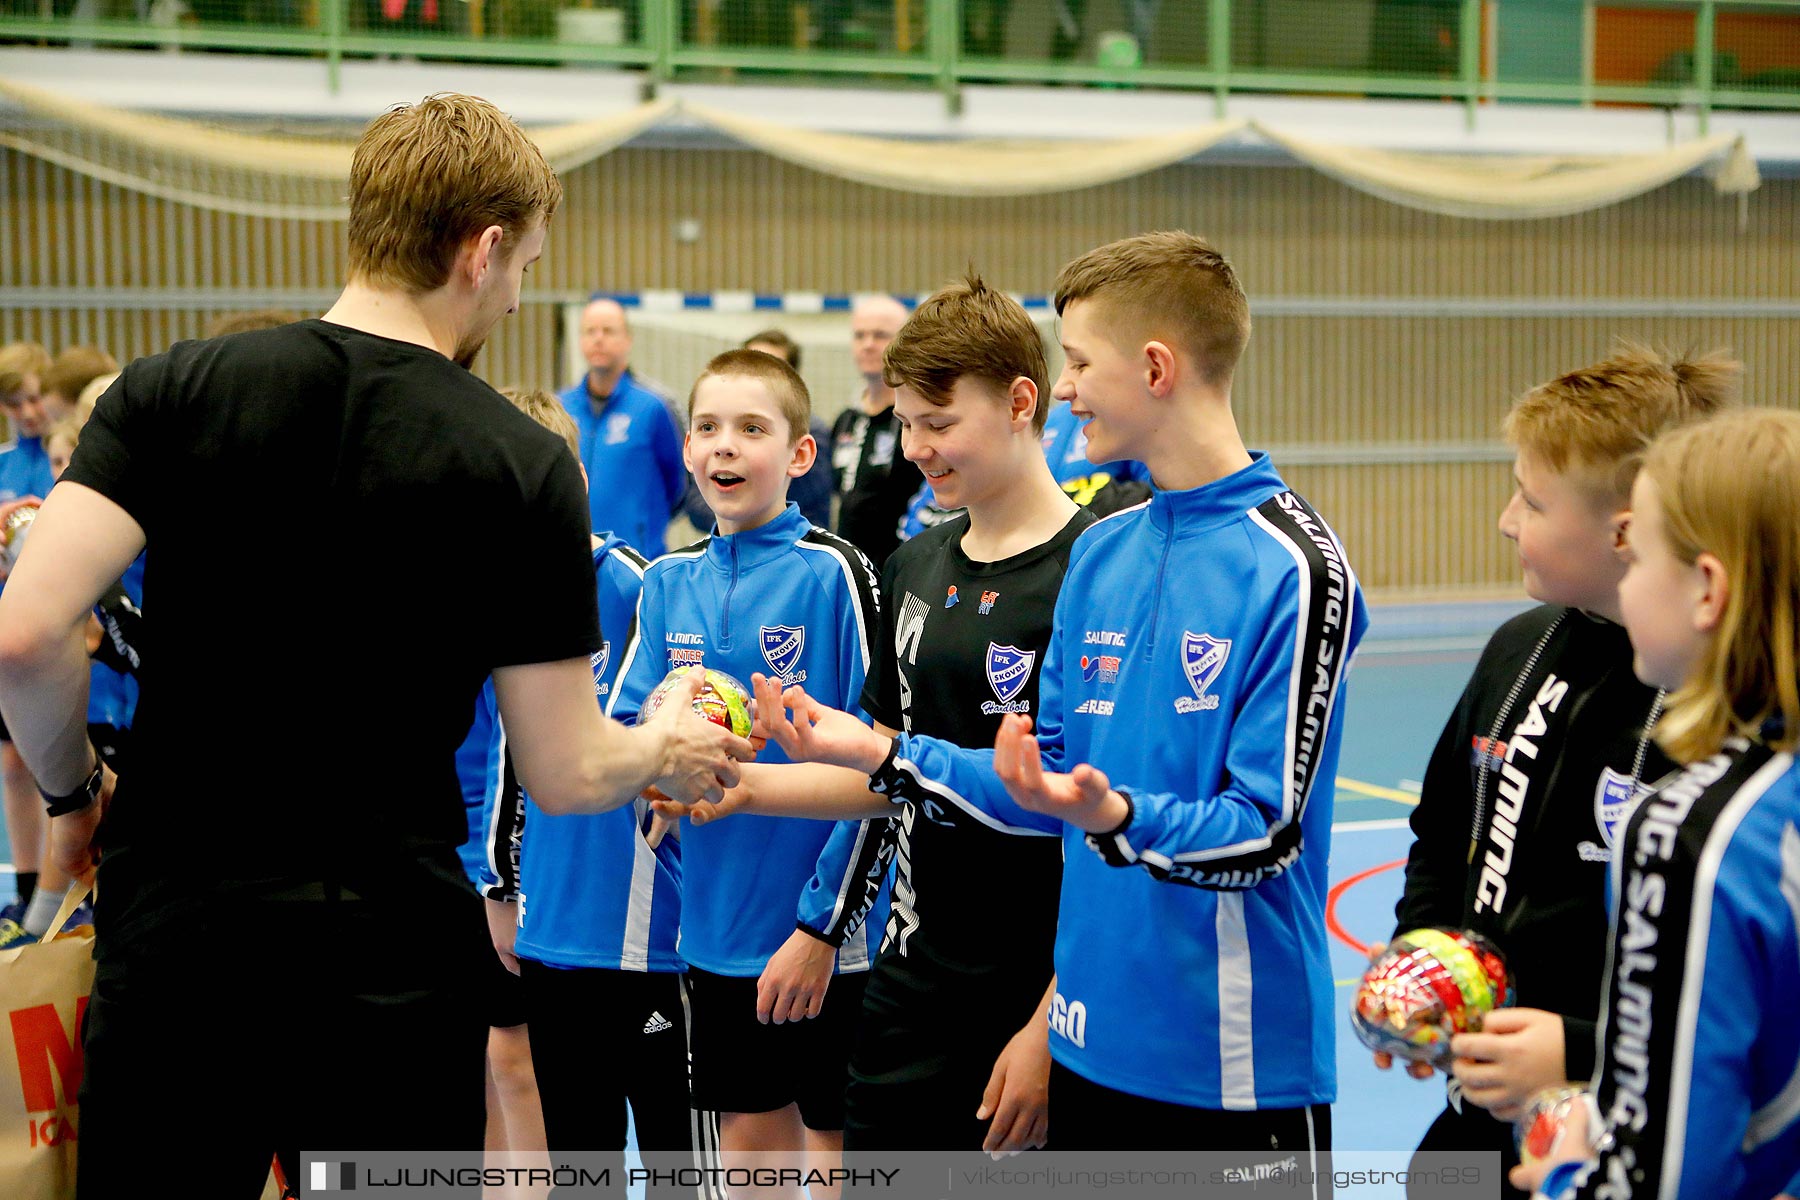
[
  {"x": 1171, "y": 287},
  {"x": 783, "y": 382},
  {"x": 1599, "y": 420},
  {"x": 426, "y": 177},
  {"x": 1730, "y": 487},
  {"x": 968, "y": 331},
  {"x": 19, "y": 360},
  {"x": 547, "y": 411}
]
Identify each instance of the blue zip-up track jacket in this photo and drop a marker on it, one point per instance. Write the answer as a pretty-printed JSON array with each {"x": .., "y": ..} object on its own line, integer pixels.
[
  {"x": 591, "y": 891},
  {"x": 1699, "y": 1078},
  {"x": 794, "y": 602},
  {"x": 1198, "y": 658}
]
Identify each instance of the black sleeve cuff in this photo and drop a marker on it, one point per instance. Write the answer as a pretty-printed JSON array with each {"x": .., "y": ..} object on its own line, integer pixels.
[
  {"x": 1111, "y": 845},
  {"x": 887, "y": 779},
  {"x": 810, "y": 932}
]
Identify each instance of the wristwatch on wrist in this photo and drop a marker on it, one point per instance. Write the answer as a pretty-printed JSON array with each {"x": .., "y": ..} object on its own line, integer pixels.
[{"x": 80, "y": 798}]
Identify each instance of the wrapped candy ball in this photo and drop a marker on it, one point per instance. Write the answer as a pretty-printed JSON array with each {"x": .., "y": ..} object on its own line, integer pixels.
[
  {"x": 1539, "y": 1128},
  {"x": 12, "y": 534},
  {"x": 1428, "y": 986},
  {"x": 722, "y": 700}
]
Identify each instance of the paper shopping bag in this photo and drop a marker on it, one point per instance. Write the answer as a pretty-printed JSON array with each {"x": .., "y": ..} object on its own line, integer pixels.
[{"x": 43, "y": 992}]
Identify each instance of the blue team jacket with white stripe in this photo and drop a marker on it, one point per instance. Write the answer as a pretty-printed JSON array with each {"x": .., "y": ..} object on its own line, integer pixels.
[
  {"x": 591, "y": 892},
  {"x": 1197, "y": 657},
  {"x": 796, "y": 602},
  {"x": 1699, "y": 1048}
]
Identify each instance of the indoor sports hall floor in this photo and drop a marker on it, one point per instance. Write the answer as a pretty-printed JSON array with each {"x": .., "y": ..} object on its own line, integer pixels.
[{"x": 1406, "y": 677}]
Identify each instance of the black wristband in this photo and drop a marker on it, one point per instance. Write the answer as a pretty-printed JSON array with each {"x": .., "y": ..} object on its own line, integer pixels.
[
  {"x": 1111, "y": 846},
  {"x": 887, "y": 779},
  {"x": 82, "y": 797}
]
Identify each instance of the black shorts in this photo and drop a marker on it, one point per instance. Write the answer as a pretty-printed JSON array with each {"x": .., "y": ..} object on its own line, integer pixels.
[
  {"x": 602, "y": 1040},
  {"x": 1091, "y": 1116},
  {"x": 503, "y": 996},
  {"x": 742, "y": 1065},
  {"x": 915, "y": 1085}
]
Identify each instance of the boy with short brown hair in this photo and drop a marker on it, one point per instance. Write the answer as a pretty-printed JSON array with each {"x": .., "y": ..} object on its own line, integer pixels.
[
  {"x": 952, "y": 1051},
  {"x": 1197, "y": 658}
]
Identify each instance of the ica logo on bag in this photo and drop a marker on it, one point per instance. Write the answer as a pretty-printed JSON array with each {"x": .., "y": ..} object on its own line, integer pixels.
[{"x": 48, "y": 1054}]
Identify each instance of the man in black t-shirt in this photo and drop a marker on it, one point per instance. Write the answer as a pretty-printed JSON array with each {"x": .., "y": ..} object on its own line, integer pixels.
[
  {"x": 282, "y": 920},
  {"x": 874, "y": 481}
]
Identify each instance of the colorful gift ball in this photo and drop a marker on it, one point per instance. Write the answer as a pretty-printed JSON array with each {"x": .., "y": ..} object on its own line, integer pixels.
[
  {"x": 1428, "y": 986},
  {"x": 722, "y": 700},
  {"x": 12, "y": 534},
  {"x": 1539, "y": 1128}
]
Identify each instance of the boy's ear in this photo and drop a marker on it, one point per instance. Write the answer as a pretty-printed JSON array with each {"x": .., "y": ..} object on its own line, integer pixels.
[
  {"x": 1715, "y": 592},
  {"x": 1023, "y": 399},
  {"x": 1159, "y": 368},
  {"x": 801, "y": 457}
]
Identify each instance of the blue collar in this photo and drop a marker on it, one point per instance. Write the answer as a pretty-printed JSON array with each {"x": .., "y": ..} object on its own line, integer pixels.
[
  {"x": 625, "y": 385},
  {"x": 1219, "y": 502},
  {"x": 759, "y": 545}
]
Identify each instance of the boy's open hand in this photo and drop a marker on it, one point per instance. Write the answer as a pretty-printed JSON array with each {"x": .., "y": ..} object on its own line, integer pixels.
[
  {"x": 1084, "y": 798},
  {"x": 792, "y": 986},
  {"x": 698, "y": 759},
  {"x": 814, "y": 732},
  {"x": 1016, "y": 1103}
]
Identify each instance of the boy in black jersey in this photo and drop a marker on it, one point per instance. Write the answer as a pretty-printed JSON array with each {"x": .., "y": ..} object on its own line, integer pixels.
[
  {"x": 1549, "y": 746},
  {"x": 953, "y": 1049}
]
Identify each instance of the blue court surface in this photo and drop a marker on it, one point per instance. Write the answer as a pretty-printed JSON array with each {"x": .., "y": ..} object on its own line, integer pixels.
[{"x": 1403, "y": 683}]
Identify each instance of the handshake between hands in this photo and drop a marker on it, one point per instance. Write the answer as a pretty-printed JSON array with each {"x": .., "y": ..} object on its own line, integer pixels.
[{"x": 810, "y": 732}]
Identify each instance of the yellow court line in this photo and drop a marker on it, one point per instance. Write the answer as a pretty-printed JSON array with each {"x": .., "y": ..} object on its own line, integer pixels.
[{"x": 1377, "y": 791}]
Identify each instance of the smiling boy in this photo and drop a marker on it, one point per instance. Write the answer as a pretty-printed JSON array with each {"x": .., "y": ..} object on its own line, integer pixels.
[
  {"x": 1197, "y": 658},
  {"x": 770, "y": 910}
]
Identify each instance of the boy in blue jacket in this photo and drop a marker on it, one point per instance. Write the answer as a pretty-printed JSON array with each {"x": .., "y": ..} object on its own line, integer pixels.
[
  {"x": 772, "y": 911},
  {"x": 584, "y": 911},
  {"x": 1188, "y": 727}
]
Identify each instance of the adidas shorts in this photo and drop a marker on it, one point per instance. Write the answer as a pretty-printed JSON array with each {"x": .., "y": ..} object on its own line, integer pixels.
[{"x": 742, "y": 1065}]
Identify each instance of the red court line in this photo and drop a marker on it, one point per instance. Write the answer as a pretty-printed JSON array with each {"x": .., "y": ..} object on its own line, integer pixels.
[{"x": 1331, "y": 902}]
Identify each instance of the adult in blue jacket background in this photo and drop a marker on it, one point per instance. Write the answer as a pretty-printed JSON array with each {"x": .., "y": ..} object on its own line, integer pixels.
[{"x": 630, "y": 444}]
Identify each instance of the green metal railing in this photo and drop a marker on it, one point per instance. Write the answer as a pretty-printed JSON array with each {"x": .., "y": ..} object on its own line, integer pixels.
[{"x": 1695, "y": 54}]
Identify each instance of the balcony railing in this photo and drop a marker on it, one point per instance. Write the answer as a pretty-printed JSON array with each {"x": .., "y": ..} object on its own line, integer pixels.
[{"x": 1696, "y": 54}]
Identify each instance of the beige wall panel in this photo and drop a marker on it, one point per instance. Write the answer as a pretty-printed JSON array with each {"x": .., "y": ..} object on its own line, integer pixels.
[
  {"x": 1324, "y": 384},
  {"x": 1417, "y": 530}
]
